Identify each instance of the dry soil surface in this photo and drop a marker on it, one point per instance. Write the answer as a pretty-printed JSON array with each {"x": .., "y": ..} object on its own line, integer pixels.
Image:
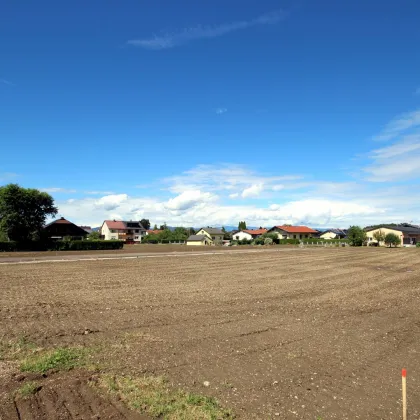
[{"x": 319, "y": 333}]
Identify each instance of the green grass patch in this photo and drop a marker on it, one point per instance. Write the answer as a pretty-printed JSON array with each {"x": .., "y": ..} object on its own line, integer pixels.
[
  {"x": 61, "y": 359},
  {"x": 28, "y": 389},
  {"x": 155, "y": 397}
]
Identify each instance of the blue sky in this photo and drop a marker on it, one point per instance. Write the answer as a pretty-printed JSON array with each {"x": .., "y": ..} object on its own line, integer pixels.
[{"x": 213, "y": 112}]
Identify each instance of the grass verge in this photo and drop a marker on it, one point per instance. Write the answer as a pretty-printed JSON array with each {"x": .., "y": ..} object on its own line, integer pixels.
[
  {"x": 154, "y": 396},
  {"x": 28, "y": 389},
  {"x": 65, "y": 358}
]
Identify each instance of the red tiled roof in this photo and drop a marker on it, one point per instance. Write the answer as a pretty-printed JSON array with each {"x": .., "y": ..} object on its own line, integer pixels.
[
  {"x": 153, "y": 232},
  {"x": 256, "y": 231},
  {"x": 296, "y": 229},
  {"x": 115, "y": 224}
]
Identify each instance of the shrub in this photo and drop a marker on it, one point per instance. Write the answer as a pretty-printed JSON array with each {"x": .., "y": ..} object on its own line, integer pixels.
[
  {"x": 268, "y": 241},
  {"x": 60, "y": 246},
  {"x": 418, "y": 244},
  {"x": 392, "y": 239},
  {"x": 356, "y": 236},
  {"x": 8, "y": 246}
]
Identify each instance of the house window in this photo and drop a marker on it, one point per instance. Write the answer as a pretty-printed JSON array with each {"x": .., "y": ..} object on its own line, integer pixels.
[
  {"x": 136, "y": 237},
  {"x": 112, "y": 230},
  {"x": 306, "y": 236},
  {"x": 136, "y": 231},
  {"x": 213, "y": 237},
  {"x": 294, "y": 236}
]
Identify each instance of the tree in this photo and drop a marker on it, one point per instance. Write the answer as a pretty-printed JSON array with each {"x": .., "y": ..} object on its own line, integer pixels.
[
  {"x": 23, "y": 212},
  {"x": 392, "y": 239},
  {"x": 155, "y": 227},
  {"x": 94, "y": 235},
  {"x": 356, "y": 236},
  {"x": 163, "y": 227},
  {"x": 242, "y": 225},
  {"x": 379, "y": 236},
  {"x": 145, "y": 223}
]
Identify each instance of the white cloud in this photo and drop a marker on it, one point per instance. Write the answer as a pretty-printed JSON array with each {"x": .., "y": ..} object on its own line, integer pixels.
[
  {"x": 278, "y": 187},
  {"x": 234, "y": 195},
  {"x": 252, "y": 191},
  {"x": 57, "y": 190},
  {"x": 170, "y": 40},
  {"x": 111, "y": 202},
  {"x": 189, "y": 199},
  {"x": 401, "y": 159},
  {"x": 232, "y": 178},
  {"x": 220, "y": 111},
  {"x": 399, "y": 125}
]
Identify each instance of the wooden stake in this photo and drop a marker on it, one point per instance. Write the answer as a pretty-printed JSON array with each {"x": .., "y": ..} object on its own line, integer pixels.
[{"x": 404, "y": 393}]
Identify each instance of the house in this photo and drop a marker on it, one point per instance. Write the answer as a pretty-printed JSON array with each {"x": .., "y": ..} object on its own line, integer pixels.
[
  {"x": 333, "y": 234},
  {"x": 198, "y": 240},
  {"x": 88, "y": 229},
  {"x": 61, "y": 228},
  {"x": 153, "y": 231},
  {"x": 293, "y": 232},
  {"x": 248, "y": 234},
  {"x": 130, "y": 232},
  {"x": 214, "y": 234},
  {"x": 409, "y": 235}
]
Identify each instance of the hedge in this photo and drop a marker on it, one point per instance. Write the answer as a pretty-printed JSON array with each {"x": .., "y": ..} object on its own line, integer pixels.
[{"x": 60, "y": 246}]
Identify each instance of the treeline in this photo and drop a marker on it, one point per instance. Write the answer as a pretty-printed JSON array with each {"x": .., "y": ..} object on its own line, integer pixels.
[{"x": 179, "y": 234}]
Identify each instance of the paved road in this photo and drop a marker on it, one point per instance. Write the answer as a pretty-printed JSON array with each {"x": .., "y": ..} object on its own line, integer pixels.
[{"x": 99, "y": 257}]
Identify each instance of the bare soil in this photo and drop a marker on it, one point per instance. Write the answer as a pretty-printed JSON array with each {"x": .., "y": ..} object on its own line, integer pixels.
[{"x": 317, "y": 333}]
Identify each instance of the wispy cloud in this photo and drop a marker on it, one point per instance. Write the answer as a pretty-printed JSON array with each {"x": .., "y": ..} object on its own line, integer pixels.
[
  {"x": 170, "y": 40},
  {"x": 221, "y": 110},
  {"x": 7, "y": 176},
  {"x": 397, "y": 126},
  {"x": 7, "y": 82},
  {"x": 401, "y": 159},
  {"x": 57, "y": 190},
  {"x": 99, "y": 192}
]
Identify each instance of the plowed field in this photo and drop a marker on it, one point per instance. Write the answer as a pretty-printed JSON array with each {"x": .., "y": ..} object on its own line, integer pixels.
[{"x": 317, "y": 333}]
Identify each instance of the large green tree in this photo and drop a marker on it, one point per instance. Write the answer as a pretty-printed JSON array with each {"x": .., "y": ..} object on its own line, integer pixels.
[
  {"x": 145, "y": 223},
  {"x": 356, "y": 236},
  {"x": 23, "y": 212}
]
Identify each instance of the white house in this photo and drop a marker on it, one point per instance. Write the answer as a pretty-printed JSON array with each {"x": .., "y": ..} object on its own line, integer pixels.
[
  {"x": 248, "y": 234},
  {"x": 130, "y": 232},
  {"x": 293, "y": 232}
]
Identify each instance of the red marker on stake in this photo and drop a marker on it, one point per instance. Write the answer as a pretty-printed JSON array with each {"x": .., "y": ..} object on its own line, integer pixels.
[{"x": 404, "y": 392}]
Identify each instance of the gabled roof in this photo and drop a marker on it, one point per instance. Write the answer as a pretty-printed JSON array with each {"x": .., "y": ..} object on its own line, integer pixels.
[
  {"x": 213, "y": 231},
  {"x": 336, "y": 231},
  {"x": 254, "y": 232},
  {"x": 63, "y": 225},
  {"x": 295, "y": 229},
  {"x": 403, "y": 229},
  {"x": 115, "y": 224},
  {"x": 197, "y": 238},
  {"x": 154, "y": 232}
]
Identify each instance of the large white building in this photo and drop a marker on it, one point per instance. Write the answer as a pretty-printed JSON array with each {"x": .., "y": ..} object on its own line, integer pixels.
[
  {"x": 130, "y": 232},
  {"x": 248, "y": 234}
]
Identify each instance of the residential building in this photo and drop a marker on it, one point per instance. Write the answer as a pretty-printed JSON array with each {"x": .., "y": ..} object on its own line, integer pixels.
[
  {"x": 153, "y": 231},
  {"x": 130, "y": 232},
  {"x": 214, "y": 234},
  {"x": 333, "y": 234},
  {"x": 409, "y": 235},
  {"x": 248, "y": 234},
  {"x": 199, "y": 240},
  {"x": 62, "y": 228},
  {"x": 293, "y": 232}
]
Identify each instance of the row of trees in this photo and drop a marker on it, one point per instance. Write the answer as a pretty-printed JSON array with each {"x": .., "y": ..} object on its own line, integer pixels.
[{"x": 167, "y": 235}]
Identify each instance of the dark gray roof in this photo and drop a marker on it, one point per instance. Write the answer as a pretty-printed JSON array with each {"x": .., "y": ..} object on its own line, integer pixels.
[
  {"x": 197, "y": 238},
  {"x": 404, "y": 229},
  {"x": 213, "y": 231}
]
